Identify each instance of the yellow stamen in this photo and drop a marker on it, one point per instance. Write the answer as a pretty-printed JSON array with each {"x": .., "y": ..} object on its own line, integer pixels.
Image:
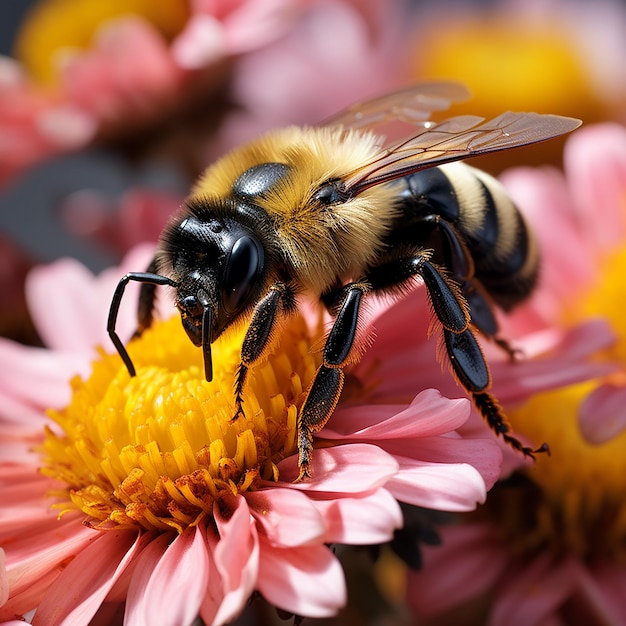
[{"x": 157, "y": 450}]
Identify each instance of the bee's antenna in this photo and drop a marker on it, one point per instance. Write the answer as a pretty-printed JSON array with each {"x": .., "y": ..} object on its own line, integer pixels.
[
  {"x": 139, "y": 277},
  {"x": 206, "y": 343}
]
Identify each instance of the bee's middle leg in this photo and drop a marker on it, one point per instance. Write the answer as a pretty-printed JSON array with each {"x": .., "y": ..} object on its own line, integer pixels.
[{"x": 326, "y": 387}]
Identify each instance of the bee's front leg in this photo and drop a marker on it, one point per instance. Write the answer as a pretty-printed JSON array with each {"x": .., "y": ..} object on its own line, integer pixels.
[{"x": 279, "y": 301}]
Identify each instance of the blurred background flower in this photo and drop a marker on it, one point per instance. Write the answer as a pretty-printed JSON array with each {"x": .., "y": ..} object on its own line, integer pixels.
[
  {"x": 548, "y": 546},
  {"x": 111, "y": 96},
  {"x": 109, "y": 109}
]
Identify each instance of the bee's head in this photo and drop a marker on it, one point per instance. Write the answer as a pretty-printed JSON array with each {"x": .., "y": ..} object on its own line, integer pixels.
[{"x": 218, "y": 265}]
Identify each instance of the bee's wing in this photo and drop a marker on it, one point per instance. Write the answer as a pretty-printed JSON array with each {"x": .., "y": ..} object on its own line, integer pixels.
[
  {"x": 412, "y": 105},
  {"x": 456, "y": 138}
]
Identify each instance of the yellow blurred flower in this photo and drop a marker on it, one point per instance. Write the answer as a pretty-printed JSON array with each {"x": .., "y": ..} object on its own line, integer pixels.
[
  {"x": 52, "y": 27},
  {"x": 513, "y": 59},
  {"x": 505, "y": 64}
]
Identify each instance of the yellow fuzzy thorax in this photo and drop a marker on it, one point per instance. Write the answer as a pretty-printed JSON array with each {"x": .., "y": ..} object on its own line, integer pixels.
[{"x": 344, "y": 237}]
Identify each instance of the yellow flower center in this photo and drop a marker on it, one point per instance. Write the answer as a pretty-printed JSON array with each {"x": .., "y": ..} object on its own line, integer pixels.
[
  {"x": 575, "y": 499},
  {"x": 606, "y": 298},
  {"x": 537, "y": 67},
  {"x": 157, "y": 450},
  {"x": 53, "y": 26},
  {"x": 572, "y": 501}
]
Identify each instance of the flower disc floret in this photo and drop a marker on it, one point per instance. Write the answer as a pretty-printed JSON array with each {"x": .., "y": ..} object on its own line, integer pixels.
[{"x": 158, "y": 449}]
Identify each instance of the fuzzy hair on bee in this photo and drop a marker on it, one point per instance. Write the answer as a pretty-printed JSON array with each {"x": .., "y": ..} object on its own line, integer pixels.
[
  {"x": 338, "y": 212},
  {"x": 345, "y": 239}
]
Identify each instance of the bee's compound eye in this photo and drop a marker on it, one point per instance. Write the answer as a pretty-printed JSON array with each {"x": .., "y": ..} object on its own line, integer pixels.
[{"x": 242, "y": 270}]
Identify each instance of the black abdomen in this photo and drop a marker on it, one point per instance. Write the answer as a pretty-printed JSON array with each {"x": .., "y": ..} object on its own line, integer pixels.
[{"x": 485, "y": 220}]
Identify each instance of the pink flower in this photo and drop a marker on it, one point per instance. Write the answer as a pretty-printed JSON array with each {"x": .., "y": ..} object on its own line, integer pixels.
[
  {"x": 548, "y": 545},
  {"x": 127, "y": 77},
  {"x": 138, "y": 216},
  {"x": 131, "y": 79},
  {"x": 553, "y": 56},
  {"x": 257, "y": 531},
  {"x": 216, "y": 30},
  {"x": 584, "y": 243},
  {"x": 35, "y": 125},
  {"x": 335, "y": 54}
]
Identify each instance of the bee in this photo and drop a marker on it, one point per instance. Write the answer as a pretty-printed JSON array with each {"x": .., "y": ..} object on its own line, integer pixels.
[{"x": 339, "y": 212}]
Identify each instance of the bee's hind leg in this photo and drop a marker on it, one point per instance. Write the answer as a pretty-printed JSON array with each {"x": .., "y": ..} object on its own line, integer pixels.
[{"x": 484, "y": 319}]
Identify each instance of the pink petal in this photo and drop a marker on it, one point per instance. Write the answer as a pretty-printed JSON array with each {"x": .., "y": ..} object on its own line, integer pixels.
[
  {"x": 349, "y": 468},
  {"x": 171, "y": 588},
  {"x": 142, "y": 571},
  {"x": 360, "y": 521},
  {"x": 66, "y": 126},
  {"x": 14, "y": 475},
  {"x": 78, "y": 592},
  {"x": 285, "y": 516},
  {"x": 444, "y": 487},
  {"x": 151, "y": 73},
  {"x": 535, "y": 591},
  {"x": 22, "y": 365},
  {"x": 200, "y": 44},
  {"x": 18, "y": 442},
  {"x": 254, "y": 24},
  {"x": 595, "y": 165},
  {"x": 428, "y": 414},
  {"x": 26, "y": 511},
  {"x": 569, "y": 363},
  {"x": 467, "y": 563},
  {"x": 602, "y": 413},
  {"x": 103, "y": 82},
  {"x": 11, "y": 73},
  {"x": 544, "y": 198},
  {"x": 61, "y": 306},
  {"x": 42, "y": 547},
  {"x": 70, "y": 305},
  {"x": 236, "y": 555},
  {"x": 17, "y": 417},
  {"x": 485, "y": 455},
  {"x": 27, "y": 598},
  {"x": 574, "y": 343},
  {"x": 307, "y": 580},
  {"x": 119, "y": 591}
]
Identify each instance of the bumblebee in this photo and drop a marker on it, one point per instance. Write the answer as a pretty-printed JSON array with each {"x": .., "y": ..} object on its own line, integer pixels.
[{"x": 339, "y": 212}]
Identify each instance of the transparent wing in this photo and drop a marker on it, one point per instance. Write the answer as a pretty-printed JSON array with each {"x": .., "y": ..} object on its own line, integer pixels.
[
  {"x": 454, "y": 139},
  {"x": 413, "y": 105}
]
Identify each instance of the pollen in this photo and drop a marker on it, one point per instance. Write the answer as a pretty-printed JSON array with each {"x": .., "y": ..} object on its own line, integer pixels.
[
  {"x": 574, "y": 500},
  {"x": 158, "y": 450}
]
